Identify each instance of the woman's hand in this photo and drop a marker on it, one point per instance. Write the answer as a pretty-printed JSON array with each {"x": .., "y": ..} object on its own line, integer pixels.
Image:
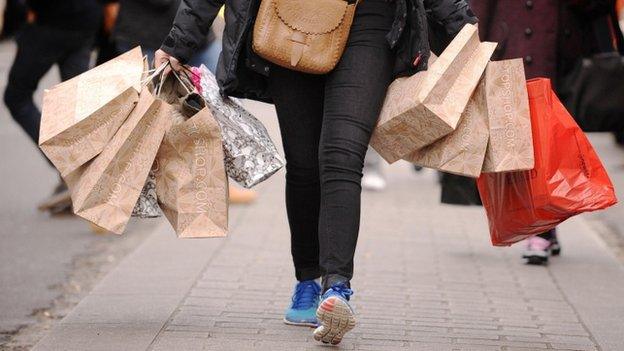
[{"x": 162, "y": 58}]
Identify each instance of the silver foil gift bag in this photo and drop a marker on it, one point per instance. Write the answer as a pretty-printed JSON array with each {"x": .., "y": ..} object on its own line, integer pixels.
[
  {"x": 147, "y": 204},
  {"x": 250, "y": 155}
]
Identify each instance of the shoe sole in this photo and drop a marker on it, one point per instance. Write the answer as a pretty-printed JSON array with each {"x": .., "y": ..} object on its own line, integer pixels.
[
  {"x": 536, "y": 259},
  {"x": 301, "y": 324},
  {"x": 335, "y": 318}
]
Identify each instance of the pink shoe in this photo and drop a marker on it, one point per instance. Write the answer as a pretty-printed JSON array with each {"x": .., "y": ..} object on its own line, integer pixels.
[{"x": 537, "y": 250}]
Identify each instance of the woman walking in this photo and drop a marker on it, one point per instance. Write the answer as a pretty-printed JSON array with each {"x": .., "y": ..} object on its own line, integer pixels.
[{"x": 326, "y": 122}]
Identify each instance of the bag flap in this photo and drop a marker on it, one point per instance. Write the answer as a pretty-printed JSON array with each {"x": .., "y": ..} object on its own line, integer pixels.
[{"x": 311, "y": 17}]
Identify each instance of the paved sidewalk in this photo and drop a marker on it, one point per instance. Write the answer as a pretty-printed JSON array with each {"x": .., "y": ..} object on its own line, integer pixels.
[{"x": 426, "y": 279}]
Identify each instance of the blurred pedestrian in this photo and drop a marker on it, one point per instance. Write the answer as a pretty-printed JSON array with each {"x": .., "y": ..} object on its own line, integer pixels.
[
  {"x": 58, "y": 32},
  {"x": 550, "y": 36},
  {"x": 14, "y": 17},
  {"x": 326, "y": 122}
]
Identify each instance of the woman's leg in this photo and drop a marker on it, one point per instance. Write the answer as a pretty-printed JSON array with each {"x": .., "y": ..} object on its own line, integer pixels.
[
  {"x": 354, "y": 93},
  {"x": 299, "y": 103}
]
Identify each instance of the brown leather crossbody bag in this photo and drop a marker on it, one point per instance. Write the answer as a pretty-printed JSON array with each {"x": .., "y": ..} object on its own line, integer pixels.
[{"x": 303, "y": 35}]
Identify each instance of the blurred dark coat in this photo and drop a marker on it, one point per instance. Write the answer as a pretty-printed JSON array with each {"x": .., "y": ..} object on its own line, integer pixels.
[
  {"x": 550, "y": 35},
  {"x": 144, "y": 22},
  {"x": 73, "y": 15}
]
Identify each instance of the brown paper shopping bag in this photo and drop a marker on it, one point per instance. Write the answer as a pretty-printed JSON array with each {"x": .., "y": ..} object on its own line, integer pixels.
[
  {"x": 105, "y": 190},
  {"x": 510, "y": 147},
  {"x": 462, "y": 152},
  {"x": 191, "y": 182},
  {"x": 80, "y": 116},
  {"x": 423, "y": 108}
]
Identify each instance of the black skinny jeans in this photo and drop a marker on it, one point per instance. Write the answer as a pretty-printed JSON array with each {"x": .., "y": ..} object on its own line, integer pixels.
[
  {"x": 326, "y": 123},
  {"x": 38, "y": 49}
]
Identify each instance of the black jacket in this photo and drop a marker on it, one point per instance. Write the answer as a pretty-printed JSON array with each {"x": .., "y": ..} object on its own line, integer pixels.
[{"x": 242, "y": 73}]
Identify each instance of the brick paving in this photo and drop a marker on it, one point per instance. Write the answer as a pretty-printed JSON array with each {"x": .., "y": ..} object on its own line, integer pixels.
[{"x": 426, "y": 278}]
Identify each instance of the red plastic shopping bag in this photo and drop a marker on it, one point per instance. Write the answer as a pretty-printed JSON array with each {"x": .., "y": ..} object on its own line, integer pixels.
[{"x": 568, "y": 177}]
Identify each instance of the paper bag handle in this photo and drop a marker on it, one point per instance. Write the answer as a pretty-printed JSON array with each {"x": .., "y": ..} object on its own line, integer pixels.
[{"x": 155, "y": 72}]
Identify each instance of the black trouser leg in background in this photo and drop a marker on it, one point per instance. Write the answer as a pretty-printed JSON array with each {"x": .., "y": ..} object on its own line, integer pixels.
[
  {"x": 326, "y": 123},
  {"x": 38, "y": 49},
  {"x": 549, "y": 235}
]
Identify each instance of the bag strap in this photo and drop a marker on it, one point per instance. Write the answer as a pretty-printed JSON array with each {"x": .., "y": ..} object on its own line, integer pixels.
[
  {"x": 153, "y": 74},
  {"x": 183, "y": 83}
]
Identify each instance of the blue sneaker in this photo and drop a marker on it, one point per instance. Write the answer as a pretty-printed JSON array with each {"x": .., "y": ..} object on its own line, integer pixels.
[
  {"x": 305, "y": 301},
  {"x": 335, "y": 315}
]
